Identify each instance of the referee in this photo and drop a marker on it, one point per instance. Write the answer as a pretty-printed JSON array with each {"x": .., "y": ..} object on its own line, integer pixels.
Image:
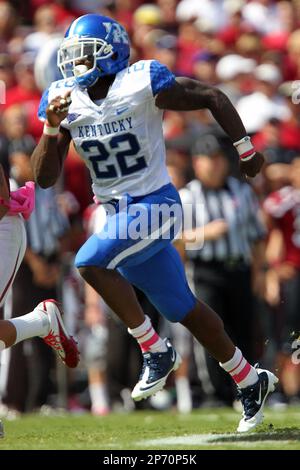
[{"x": 222, "y": 271}]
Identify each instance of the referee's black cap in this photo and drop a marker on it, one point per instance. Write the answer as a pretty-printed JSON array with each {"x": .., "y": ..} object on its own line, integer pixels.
[{"x": 206, "y": 145}]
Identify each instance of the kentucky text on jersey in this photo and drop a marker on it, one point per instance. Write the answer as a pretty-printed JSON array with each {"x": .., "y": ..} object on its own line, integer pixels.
[{"x": 106, "y": 128}]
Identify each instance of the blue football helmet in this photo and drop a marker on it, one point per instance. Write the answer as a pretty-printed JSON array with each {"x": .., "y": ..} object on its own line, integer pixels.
[{"x": 98, "y": 38}]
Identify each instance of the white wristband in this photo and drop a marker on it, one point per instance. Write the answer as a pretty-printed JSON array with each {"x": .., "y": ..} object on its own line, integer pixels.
[
  {"x": 50, "y": 131},
  {"x": 244, "y": 145}
]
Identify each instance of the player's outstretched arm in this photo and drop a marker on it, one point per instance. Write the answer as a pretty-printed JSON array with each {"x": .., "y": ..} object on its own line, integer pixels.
[
  {"x": 51, "y": 151},
  {"x": 188, "y": 95}
]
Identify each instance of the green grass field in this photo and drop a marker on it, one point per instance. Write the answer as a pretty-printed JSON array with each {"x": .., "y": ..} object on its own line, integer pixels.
[{"x": 204, "y": 429}]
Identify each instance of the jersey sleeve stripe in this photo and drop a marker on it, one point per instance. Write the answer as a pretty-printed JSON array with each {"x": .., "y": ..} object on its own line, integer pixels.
[
  {"x": 161, "y": 77},
  {"x": 43, "y": 106}
]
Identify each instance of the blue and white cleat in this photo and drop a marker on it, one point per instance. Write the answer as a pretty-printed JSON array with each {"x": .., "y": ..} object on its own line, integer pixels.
[
  {"x": 156, "y": 368},
  {"x": 253, "y": 399}
]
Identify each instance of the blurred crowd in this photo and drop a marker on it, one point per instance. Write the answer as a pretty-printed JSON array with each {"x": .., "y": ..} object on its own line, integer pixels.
[{"x": 249, "y": 268}]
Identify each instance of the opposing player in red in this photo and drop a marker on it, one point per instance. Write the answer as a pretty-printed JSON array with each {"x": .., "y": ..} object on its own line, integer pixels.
[{"x": 46, "y": 319}]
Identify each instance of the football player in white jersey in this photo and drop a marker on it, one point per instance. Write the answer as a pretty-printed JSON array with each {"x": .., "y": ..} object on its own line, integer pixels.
[
  {"x": 112, "y": 111},
  {"x": 45, "y": 320}
]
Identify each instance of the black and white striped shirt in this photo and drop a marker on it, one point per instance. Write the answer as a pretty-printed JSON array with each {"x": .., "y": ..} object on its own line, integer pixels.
[
  {"x": 46, "y": 224},
  {"x": 236, "y": 203}
]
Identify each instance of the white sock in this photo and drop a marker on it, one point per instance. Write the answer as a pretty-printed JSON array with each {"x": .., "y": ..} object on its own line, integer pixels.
[
  {"x": 32, "y": 324},
  {"x": 240, "y": 370},
  {"x": 147, "y": 337},
  {"x": 184, "y": 396},
  {"x": 98, "y": 394}
]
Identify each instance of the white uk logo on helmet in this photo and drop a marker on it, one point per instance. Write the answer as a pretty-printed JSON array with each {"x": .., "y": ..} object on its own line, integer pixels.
[{"x": 119, "y": 34}]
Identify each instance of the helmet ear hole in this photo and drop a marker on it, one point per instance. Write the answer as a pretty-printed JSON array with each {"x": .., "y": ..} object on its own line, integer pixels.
[{"x": 115, "y": 56}]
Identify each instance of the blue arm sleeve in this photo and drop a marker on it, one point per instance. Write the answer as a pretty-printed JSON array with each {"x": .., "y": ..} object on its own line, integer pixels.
[
  {"x": 161, "y": 77},
  {"x": 43, "y": 105}
]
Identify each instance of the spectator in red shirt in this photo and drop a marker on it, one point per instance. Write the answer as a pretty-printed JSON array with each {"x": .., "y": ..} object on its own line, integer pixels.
[
  {"x": 282, "y": 210},
  {"x": 26, "y": 93},
  {"x": 25, "y": 89}
]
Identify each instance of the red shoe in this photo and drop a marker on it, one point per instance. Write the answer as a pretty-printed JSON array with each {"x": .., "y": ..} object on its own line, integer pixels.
[{"x": 58, "y": 338}]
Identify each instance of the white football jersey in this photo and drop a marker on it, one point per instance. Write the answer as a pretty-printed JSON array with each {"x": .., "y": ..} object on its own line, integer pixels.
[{"x": 120, "y": 138}]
